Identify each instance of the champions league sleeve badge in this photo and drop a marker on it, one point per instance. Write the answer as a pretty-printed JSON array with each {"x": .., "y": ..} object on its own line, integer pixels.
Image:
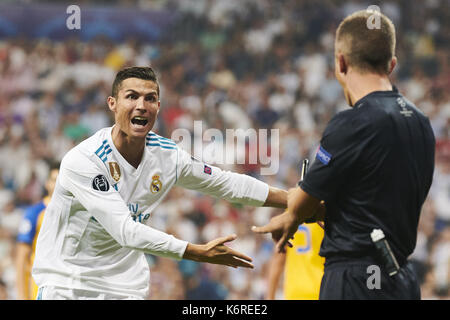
[
  {"x": 100, "y": 183},
  {"x": 156, "y": 184}
]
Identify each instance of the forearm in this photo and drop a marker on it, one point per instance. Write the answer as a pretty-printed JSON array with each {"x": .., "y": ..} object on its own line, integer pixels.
[
  {"x": 276, "y": 198},
  {"x": 320, "y": 213},
  {"x": 227, "y": 185},
  {"x": 275, "y": 271},
  {"x": 21, "y": 283},
  {"x": 303, "y": 205},
  {"x": 152, "y": 241},
  {"x": 117, "y": 221}
]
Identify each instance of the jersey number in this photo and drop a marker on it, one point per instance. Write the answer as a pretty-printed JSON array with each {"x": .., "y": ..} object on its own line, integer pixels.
[{"x": 305, "y": 248}]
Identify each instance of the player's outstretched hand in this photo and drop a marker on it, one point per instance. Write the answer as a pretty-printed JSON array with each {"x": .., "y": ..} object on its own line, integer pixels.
[
  {"x": 282, "y": 227},
  {"x": 217, "y": 252}
]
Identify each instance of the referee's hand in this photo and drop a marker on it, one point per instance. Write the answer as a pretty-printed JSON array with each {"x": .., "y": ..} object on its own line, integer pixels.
[{"x": 282, "y": 227}]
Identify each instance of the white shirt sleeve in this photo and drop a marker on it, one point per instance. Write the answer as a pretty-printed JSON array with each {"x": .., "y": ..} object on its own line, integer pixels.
[
  {"x": 77, "y": 174},
  {"x": 234, "y": 187}
]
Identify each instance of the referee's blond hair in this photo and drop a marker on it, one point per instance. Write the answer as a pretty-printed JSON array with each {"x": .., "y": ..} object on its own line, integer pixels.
[{"x": 367, "y": 49}]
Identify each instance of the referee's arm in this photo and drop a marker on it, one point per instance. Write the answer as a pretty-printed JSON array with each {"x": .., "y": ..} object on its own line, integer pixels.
[
  {"x": 301, "y": 207},
  {"x": 305, "y": 206}
]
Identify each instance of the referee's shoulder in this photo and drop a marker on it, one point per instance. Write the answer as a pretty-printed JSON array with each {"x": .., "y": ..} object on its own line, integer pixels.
[
  {"x": 347, "y": 120},
  {"x": 343, "y": 116},
  {"x": 412, "y": 106}
]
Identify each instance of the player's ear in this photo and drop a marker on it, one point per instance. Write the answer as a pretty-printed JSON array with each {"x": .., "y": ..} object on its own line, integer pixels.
[
  {"x": 392, "y": 64},
  {"x": 342, "y": 64},
  {"x": 111, "y": 103}
]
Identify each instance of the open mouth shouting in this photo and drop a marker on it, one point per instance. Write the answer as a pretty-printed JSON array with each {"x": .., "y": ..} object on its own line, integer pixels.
[{"x": 139, "y": 123}]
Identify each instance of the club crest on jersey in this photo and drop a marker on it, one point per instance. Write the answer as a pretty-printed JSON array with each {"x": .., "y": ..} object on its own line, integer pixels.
[
  {"x": 100, "y": 183},
  {"x": 114, "y": 169},
  {"x": 156, "y": 184}
]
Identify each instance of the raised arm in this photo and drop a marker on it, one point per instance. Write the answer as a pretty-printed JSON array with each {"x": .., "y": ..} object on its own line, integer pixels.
[{"x": 233, "y": 187}]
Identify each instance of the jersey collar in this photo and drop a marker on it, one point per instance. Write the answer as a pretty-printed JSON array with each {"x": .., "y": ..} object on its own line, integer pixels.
[{"x": 393, "y": 91}]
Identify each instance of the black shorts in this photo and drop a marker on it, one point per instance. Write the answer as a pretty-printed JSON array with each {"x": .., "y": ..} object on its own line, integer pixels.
[{"x": 348, "y": 280}]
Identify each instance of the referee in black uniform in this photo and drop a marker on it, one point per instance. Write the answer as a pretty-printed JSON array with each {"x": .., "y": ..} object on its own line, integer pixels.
[{"x": 373, "y": 169}]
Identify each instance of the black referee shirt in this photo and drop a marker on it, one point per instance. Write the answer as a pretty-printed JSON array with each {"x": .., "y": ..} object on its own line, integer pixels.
[{"x": 374, "y": 169}]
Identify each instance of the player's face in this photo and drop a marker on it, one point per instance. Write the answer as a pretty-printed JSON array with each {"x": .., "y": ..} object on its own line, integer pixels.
[{"x": 136, "y": 106}]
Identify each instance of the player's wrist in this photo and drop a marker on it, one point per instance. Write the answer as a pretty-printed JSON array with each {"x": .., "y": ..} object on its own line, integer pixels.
[
  {"x": 194, "y": 252},
  {"x": 294, "y": 217},
  {"x": 276, "y": 198}
]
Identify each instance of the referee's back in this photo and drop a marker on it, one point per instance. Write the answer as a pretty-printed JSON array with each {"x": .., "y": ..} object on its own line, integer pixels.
[
  {"x": 374, "y": 169},
  {"x": 382, "y": 156},
  {"x": 398, "y": 168}
]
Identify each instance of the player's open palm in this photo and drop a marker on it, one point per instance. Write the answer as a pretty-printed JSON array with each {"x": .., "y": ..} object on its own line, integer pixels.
[{"x": 217, "y": 252}]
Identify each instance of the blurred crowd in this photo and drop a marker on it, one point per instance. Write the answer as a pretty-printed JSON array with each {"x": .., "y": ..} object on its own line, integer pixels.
[{"x": 231, "y": 64}]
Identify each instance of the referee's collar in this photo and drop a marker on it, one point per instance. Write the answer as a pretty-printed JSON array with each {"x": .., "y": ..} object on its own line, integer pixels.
[{"x": 394, "y": 90}]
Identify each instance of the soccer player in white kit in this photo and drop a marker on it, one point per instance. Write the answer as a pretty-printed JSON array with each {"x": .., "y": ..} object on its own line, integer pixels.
[{"x": 94, "y": 234}]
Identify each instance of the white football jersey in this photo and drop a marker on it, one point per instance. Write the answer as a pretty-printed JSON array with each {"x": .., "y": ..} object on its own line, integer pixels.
[{"x": 94, "y": 233}]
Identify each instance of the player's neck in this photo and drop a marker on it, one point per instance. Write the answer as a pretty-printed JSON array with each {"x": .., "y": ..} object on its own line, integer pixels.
[
  {"x": 359, "y": 85},
  {"x": 130, "y": 149}
]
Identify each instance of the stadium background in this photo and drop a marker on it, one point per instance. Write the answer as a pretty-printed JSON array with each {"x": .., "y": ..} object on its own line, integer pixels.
[{"x": 232, "y": 64}]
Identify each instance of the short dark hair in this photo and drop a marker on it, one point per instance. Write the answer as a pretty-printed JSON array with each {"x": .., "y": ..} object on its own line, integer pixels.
[
  {"x": 367, "y": 49},
  {"x": 144, "y": 73}
]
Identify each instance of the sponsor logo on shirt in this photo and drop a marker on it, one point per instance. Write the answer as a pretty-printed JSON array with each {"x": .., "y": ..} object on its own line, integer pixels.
[
  {"x": 115, "y": 170},
  {"x": 207, "y": 170},
  {"x": 100, "y": 183},
  {"x": 156, "y": 184},
  {"x": 136, "y": 215},
  {"x": 323, "y": 156}
]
